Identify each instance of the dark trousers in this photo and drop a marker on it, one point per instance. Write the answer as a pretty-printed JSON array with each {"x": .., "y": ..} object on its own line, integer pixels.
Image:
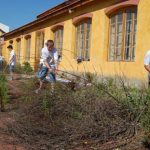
[{"x": 1, "y": 65}]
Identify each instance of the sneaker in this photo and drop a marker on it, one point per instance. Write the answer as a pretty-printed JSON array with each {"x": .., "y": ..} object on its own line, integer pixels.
[{"x": 37, "y": 91}]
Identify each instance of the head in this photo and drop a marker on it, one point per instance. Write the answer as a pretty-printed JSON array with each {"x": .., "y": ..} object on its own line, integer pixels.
[
  {"x": 50, "y": 44},
  {"x": 10, "y": 47}
]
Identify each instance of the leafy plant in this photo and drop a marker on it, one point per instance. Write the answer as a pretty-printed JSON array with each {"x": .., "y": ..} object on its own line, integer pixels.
[
  {"x": 26, "y": 68},
  {"x": 18, "y": 68},
  {"x": 3, "y": 92}
]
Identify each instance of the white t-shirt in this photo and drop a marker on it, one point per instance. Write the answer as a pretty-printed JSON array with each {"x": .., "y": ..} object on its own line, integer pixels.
[
  {"x": 50, "y": 56},
  {"x": 1, "y": 58},
  {"x": 147, "y": 58},
  {"x": 12, "y": 58}
]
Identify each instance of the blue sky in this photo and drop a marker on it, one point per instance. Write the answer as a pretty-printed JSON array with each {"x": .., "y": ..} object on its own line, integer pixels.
[{"x": 16, "y": 13}]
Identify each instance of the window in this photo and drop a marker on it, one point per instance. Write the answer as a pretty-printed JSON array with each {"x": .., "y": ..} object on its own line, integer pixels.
[
  {"x": 58, "y": 40},
  {"x": 18, "y": 48},
  {"x": 28, "y": 48},
  {"x": 123, "y": 35},
  {"x": 39, "y": 43},
  {"x": 83, "y": 32}
]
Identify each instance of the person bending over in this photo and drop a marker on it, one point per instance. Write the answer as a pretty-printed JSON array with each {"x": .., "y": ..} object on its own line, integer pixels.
[{"x": 50, "y": 64}]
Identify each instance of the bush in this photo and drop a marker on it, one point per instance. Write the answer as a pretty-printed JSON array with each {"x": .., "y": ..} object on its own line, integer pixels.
[
  {"x": 72, "y": 116},
  {"x": 18, "y": 68},
  {"x": 102, "y": 112},
  {"x": 3, "y": 92},
  {"x": 90, "y": 77},
  {"x": 5, "y": 67},
  {"x": 21, "y": 69},
  {"x": 135, "y": 101},
  {"x": 26, "y": 68}
]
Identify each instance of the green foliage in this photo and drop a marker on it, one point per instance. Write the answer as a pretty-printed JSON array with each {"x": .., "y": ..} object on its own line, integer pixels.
[
  {"x": 26, "y": 68},
  {"x": 136, "y": 101},
  {"x": 104, "y": 111},
  {"x": 90, "y": 77},
  {"x": 18, "y": 68},
  {"x": 23, "y": 69},
  {"x": 133, "y": 100},
  {"x": 77, "y": 115},
  {"x": 3, "y": 92},
  {"x": 47, "y": 103},
  {"x": 5, "y": 67},
  {"x": 109, "y": 105}
]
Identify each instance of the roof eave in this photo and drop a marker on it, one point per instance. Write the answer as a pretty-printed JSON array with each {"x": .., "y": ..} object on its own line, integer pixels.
[{"x": 42, "y": 19}]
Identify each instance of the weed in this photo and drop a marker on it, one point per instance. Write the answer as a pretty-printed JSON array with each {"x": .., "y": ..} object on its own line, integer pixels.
[
  {"x": 26, "y": 68},
  {"x": 3, "y": 92},
  {"x": 105, "y": 111}
]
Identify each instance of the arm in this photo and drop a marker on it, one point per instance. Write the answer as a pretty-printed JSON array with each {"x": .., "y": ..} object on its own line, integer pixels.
[
  {"x": 46, "y": 64},
  {"x": 147, "y": 62},
  {"x": 45, "y": 57},
  {"x": 147, "y": 68},
  {"x": 56, "y": 61},
  {"x": 11, "y": 59}
]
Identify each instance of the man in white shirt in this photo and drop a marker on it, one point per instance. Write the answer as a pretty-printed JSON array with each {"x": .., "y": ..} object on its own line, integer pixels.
[
  {"x": 41, "y": 59},
  {"x": 49, "y": 64},
  {"x": 12, "y": 60}
]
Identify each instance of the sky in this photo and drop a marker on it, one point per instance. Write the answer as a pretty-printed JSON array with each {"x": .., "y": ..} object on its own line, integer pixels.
[{"x": 15, "y": 13}]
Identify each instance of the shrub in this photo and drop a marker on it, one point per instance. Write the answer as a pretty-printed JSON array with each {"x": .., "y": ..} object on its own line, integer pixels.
[
  {"x": 3, "y": 92},
  {"x": 135, "y": 101},
  {"x": 26, "y": 68},
  {"x": 5, "y": 67},
  {"x": 102, "y": 112},
  {"x": 21, "y": 69},
  {"x": 71, "y": 116},
  {"x": 18, "y": 68}
]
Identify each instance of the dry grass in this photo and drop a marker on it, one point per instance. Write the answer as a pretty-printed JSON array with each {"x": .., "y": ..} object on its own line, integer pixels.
[{"x": 68, "y": 118}]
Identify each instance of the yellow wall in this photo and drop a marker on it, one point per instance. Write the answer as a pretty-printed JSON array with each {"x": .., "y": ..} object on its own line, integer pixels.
[
  {"x": 1, "y": 33},
  {"x": 99, "y": 42}
]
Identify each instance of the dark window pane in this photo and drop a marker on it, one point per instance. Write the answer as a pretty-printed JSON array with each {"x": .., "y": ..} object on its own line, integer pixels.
[
  {"x": 58, "y": 40},
  {"x": 112, "y": 39},
  {"x": 83, "y": 40},
  {"x": 39, "y": 43},
  {"x": 119, "y": 18},
  {"x": 133, "y": 53},
  {"x": 129, "y": 15},
  {"x": 113, "y": 20}
]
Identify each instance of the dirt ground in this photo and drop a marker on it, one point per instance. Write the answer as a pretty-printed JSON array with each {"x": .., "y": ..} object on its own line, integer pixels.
[{"x": 8, "y": 142}]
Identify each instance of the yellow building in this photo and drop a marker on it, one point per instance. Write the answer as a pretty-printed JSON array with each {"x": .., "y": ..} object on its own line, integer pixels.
[{"x": 107, "y": 37}]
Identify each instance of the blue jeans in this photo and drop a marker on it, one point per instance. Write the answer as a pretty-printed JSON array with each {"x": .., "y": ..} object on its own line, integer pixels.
[
  {"x": 42, "y": 73},
  {"x": 11, "y": 68},
  {"x": 52, "y": 77}
]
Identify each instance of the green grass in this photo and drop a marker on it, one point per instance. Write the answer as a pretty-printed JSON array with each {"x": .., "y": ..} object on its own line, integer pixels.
[{"x": 3, "y": 92}]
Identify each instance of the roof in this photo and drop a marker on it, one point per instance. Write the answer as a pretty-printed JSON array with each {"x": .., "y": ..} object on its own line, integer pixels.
[
  {"x": 4, "y": 28},
  {"x": 55, "y": 11},
  {"x": 2, "y": 31},
  {"x": 59, "y": 7}
]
